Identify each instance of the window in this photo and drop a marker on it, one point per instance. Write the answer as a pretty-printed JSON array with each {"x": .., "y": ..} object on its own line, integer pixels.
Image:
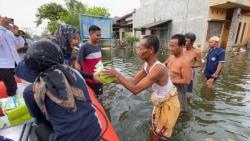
[
  {"x": 123, "y": 35},
  {"x": 153, "y": 32},
  {"x": 243, "y": 31},
  {"x": 143, "y": 32},
  {"x": 214, "y": 29},
  {"x": 238, "y": 31}
]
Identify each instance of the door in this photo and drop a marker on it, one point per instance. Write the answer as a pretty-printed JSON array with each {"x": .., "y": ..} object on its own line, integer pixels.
[
  {"x": 225, "y": 33},
  {"x": 214, "y": 29}
]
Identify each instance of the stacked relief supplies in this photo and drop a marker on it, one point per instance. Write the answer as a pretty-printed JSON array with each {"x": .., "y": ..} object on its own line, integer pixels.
[{"x": 15, "y": 111}]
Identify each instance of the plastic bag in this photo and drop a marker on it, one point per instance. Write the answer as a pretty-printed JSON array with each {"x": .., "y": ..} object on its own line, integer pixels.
[{"x": 99, "y": 67}]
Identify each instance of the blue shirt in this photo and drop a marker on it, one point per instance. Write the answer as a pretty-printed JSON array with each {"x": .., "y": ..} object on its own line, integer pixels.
[
  {"x": 214, "y": 57},
  {"x": 8, "y": 43}
]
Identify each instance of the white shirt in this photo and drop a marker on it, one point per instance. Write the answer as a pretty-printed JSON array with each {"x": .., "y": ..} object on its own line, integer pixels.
[
  {"x": 8, "y": 44},
  {"x": 160, "y": 91}
]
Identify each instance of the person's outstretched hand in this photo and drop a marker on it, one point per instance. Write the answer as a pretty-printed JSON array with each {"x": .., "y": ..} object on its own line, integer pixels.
[
  {"x": 111, "y": 72},
  {"x": 96, "y": 77}
]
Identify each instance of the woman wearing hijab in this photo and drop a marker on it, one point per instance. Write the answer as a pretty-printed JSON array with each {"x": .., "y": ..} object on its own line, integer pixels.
[
  {"x": 58, "y": 94},
  {"x": 67, "y": 37}
]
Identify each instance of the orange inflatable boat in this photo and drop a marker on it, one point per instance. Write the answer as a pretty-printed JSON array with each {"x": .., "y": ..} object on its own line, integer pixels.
[{"x": 108, "y": 132}]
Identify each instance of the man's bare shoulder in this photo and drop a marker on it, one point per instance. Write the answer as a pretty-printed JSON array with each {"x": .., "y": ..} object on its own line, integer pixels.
[
  {"x": 169, "y": 60},
  {"x": 197, "y": 50},
  {"x": 157, "y": 71},
  {"x": 170, "y": 57}
]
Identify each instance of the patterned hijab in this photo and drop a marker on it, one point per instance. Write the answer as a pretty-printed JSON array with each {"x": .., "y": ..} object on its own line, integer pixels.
[
  {"x": 55, "y": 80},
  {"x": 64, "y": 35}
]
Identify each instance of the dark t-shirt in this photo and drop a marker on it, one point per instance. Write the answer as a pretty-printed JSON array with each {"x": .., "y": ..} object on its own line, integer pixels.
[
  {"x": 83, "y": 124},
  {"x": 88, "y": 56},
  {"x": 214, "y": 57},
  {"x": 74, "y": 126}
]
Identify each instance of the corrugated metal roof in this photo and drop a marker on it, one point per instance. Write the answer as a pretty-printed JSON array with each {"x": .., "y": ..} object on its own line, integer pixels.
[{"x": 151, "y": 25}]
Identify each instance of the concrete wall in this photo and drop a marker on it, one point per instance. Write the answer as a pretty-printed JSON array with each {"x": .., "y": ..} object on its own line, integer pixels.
[
  {"x": 233, "y": 29},
  {"x": 186, "y": 15},
  {"x": 197, "y": 20},
  {"x": 106, "y": 43},
  {"x": 121, "y": 30},
  {"x": 129, "y": 19}
]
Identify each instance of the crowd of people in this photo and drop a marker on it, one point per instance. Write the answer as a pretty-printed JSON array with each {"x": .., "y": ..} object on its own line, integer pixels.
[
  {"x": 58, "y": 72},
  {"x": 172, "y": 79}
]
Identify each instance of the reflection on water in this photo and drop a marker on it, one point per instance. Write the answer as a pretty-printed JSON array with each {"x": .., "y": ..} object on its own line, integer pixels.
[{"x": 222, "y": 113}]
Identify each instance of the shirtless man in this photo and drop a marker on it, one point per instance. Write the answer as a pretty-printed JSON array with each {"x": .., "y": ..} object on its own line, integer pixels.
[
  {"x": 180, "y": 69},
  {"x": 193, "y": 55}
]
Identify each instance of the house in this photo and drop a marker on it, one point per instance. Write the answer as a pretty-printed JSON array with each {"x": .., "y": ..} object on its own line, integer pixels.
[
  {"x": 115, "y": 27},
  {"x": 123, "y": 26},
  {"x": 228, "y": 19}
]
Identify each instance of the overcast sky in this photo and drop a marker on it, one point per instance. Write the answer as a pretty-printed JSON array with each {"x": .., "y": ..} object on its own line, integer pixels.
[{"x": 23, "y": 11}]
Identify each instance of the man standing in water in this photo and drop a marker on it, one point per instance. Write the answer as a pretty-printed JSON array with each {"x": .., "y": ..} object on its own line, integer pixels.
[
  {"x": 215, "y": 60},
  {"x": 180, "y": 69},
  {"x": 193, "y": 55},
  {"x": 153, "y": 73}
]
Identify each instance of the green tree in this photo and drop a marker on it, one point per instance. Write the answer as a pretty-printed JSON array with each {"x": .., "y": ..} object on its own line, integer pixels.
[
  {"x": 52, "y": 26},
  {"x": 55, "y": 13},
  {"x": 71, "y": 17},
  {"x": 97, "y": 11},
  {"x": 51, "y": 12},
  {"x": 130, "y": 40},
  {"x": 74, "y": 5}
]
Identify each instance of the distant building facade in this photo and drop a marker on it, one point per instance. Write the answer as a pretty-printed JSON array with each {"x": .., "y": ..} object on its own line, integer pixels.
[
  {"x": 123, "y": 26},
  {"x": 228, "y": 19}
]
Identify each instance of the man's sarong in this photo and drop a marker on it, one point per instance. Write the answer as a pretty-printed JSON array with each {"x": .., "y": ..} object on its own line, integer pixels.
[{"x": 165, "y": 114}]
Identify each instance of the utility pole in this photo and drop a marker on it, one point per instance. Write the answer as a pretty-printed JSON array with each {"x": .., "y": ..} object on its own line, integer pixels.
[{"x": 186, "y": 18}]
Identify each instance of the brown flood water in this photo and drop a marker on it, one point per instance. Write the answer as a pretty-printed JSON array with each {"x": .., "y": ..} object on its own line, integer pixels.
[{"x": 222, "y": 113}]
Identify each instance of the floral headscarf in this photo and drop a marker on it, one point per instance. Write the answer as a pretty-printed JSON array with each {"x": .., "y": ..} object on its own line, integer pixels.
[{"x": 63, "y": 36}]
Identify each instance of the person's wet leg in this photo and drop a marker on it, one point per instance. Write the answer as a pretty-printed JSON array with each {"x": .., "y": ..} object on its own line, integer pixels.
[
  {"x": 190, "y": 89},
  {"x": 152, "y": 136},
  {"x": 182, "y": 95}
]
